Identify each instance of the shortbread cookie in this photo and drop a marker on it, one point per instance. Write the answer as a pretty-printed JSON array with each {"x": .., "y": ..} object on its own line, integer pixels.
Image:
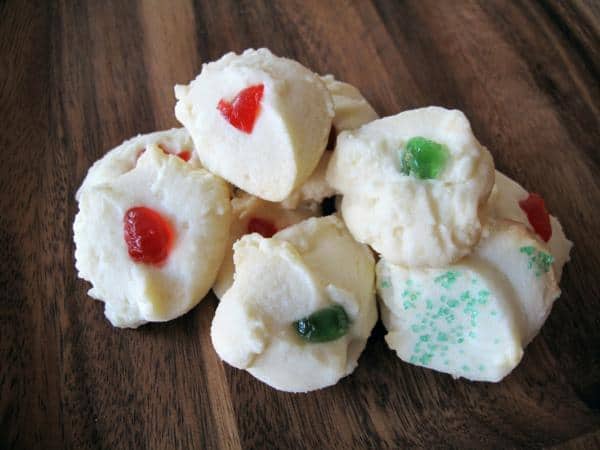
[
  {"x": 258, "y": 120},
  {"x": 250, "y": 214},
  {"x": 301, "y": 307},
  {"x": 253, "y": 214},
  {"x": 351, "y": 110},
  {"x": 312, "y": 191},
  {"x": 509, "y": 200},
  {"x": 471, "y": 319},
  {"x": 150, "y": 240},
  {"x": 414, "y": 185},
  {"x": 123, "y": 158}
]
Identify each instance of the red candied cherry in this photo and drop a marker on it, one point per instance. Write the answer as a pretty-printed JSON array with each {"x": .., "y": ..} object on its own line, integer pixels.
[
  {"x": 261, "y": 226},
  {"x": 148, "y": 235},
  {"x": 184, "y": 154},
  {"x": 243, "y": 111},
  {"x": 538, "y": 216}
]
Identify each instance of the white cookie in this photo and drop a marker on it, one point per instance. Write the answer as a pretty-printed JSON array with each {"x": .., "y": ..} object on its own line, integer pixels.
[
  {"x": 504, "y": 204},
  {"x": 312, "y": 191},
  {"x": 194, "y": 204},
  {"x": 471, "y": 319},
  {"x": 267, "y": 154},
  {"x": 300, "y": 271},
  {"x": 251, "y": 214},
  {"x": 519, "y": 257},
  {"x": 409, "y": 220},
  {"x": 123, "y": 158},
  {"x": 351, "y": 110}
]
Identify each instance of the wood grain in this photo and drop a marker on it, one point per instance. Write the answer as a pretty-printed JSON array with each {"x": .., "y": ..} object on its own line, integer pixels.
[{"x": 79, "y": 77}]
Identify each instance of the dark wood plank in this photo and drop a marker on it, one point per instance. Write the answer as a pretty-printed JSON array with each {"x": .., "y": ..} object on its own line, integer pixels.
[
  {"x": 29, "y": 374},
  {"x": 80, "y": 77}
]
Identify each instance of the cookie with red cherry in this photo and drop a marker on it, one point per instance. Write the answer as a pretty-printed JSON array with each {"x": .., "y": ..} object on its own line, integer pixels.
[
  {"x": 150, "y": 239},
  {"x": 258, "y": 120}
]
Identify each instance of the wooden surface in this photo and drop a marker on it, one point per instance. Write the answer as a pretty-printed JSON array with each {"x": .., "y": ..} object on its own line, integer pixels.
[{"x": 77, "y": 78}]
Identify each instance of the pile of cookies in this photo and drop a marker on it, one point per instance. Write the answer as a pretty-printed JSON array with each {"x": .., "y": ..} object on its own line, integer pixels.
[{"x": 462, "y": 260}]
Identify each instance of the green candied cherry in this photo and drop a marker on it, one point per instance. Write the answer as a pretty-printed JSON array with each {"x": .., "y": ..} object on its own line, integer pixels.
[
  {"x": 324, "y": 325},
  {"x": 423, "y": 158}
]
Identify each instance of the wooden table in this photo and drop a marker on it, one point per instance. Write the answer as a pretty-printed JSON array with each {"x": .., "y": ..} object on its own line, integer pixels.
[{"x": 77, "y": 78}]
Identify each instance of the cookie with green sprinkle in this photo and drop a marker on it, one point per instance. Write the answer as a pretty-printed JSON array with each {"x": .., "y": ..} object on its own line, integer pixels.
[
  {"x": 471, "y": 319},
  {"x": 514, "y": 252},
  {"x": 454, "y": 320},
  {"x": 506, "y": 202}
]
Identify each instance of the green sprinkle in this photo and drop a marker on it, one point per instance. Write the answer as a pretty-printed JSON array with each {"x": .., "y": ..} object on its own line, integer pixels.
[
  {"x": 385, "y": 284},
  {"x": 465, "y": 368},
  {"x": 425, "y": 358},
  {"x": 538, "y": 260},
  {"x": 324, "y": 325},
  {"x": 436, "y": 338},
  {"x": 410, "y": 297},
  {"x": 482, "y": 297},
  {"x": 527, "y": 250},
  {"x": 447, "y": 279},
  {"x": 423, "y": 158}
]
